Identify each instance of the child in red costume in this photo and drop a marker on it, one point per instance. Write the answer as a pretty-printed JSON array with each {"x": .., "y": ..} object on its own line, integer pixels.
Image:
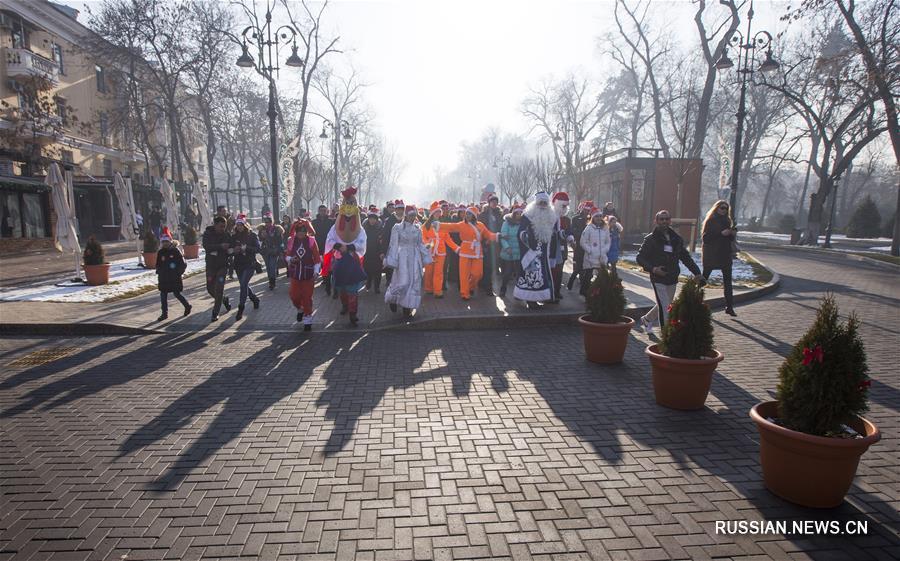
[{"x": 303, "y": 260}]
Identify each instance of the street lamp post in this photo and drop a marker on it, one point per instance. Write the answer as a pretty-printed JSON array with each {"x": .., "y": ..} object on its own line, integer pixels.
[
  {"x": 746, "y": 53},
  {"x": 336, "y": 130},
  {"x": 267, "y": 66},
  {"x": 834, "y": 191}
]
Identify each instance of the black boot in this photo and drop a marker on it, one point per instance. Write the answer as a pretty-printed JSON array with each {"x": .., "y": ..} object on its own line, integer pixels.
[
  {"x": 162, "y": 316},
  {"x": 299, "y": 317},
  {"x": 354, "y": 319},
  {"x": 240, "y": 313},
  {"x": 393, "y": 307},
  {"x": 343, "y": 310},
  {"x": 407, "y": 313},
  {"x": 187, "y": 309},
  {"x": 307, "y": 327},
  {"x": 255, "y": 303},
  {"x": 227, "y": 304},
  {"x": 730, "y": 311},
  {"x": 271, "y": 284},
  {"x": 503, "y": 291}
]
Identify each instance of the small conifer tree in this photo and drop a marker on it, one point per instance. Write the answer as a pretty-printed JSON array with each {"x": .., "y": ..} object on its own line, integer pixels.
[
  {"x": 688, "y": 332},
  {"x": 606, "y": 298},
  {"x": 151, "y": 244},
  {"x": 93, "y": 252},
  {"x": 824, "y": 381},
  {"x": 866, "y": 220}
]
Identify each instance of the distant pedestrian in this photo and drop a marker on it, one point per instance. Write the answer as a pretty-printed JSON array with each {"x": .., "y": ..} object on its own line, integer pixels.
[
  {"x": 718, "y": 248},
  {"x": 217, "y": 245},
  {"x": 372, "y": 261},
  {"x": 170, "y": 266},
  {"x": 246, "y": 246},
  {"x": 595, "y": 243},
  {"x": 660, "y": 254},
  {"x": 615, "y": 243},
  {"x": 322, "y": 224},
  {"x": 271, "y": 241},
  {"x": 579, "y": 223}
]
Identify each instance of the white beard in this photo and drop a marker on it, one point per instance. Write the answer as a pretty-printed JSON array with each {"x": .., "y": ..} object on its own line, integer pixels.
[{"x": 543, "y": 220}]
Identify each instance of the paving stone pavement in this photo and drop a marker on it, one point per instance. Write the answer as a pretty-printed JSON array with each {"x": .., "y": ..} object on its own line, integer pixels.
[{"x": 500, "y": 444}]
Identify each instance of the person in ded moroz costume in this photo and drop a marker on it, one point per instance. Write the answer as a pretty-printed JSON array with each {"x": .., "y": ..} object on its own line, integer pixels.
[{"x": 539, "y": 243}]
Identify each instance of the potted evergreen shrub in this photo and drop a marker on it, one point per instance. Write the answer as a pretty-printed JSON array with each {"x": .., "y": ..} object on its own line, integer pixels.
[
  {"x": 151, "y": 246},
  {"x": 812, "y": 436},
  {"x": 684, "y": 360},
  {"x": 604, "y": 327},
  {"x": 191, "y": 247},
  {"x": 96, "y": 269}
]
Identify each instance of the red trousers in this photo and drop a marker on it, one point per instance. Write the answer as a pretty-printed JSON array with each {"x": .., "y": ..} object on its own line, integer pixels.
[
  {"x": 351, "y": 301},
  {"x": 301, "y": 293}
]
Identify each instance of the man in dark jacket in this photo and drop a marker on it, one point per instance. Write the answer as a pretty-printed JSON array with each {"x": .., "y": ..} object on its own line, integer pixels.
[
  {"x": 389, "y": 222},
  {"x": 492, "y": 217},
  {"x": 322, "y": 224},
  {"x": 217, "y": 243},
  {"x": 372, "y": 262},
  {"x": 246, "y": 246},
  {"x": 659, "y": 255}
]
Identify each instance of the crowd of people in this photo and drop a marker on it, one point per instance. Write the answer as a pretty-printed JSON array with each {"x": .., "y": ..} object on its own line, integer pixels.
[{"x": 422, "y": 251}]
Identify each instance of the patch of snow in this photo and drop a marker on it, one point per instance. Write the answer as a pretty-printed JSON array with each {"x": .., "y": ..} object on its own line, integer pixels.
[
  {"x": 124, "y": 273},
  {"x": 740, "y": 269}
]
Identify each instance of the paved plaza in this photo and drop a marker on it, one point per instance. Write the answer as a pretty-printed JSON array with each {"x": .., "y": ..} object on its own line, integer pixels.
[{"x": 424, "y": 444}]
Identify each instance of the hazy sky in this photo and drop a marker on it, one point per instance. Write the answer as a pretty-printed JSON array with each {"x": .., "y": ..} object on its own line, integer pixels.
[{"x": 442, "y": 72}]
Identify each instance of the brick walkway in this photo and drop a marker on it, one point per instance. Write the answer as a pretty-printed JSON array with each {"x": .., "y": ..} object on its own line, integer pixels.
[{"x": 498, "y": 444}]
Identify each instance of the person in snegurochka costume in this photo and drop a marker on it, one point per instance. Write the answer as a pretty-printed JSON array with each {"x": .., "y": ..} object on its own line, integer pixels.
[
  {"x": 170, "y": 266},
  {"x": 579, "y": 223},
  {"x": 303, "y": 259},
  {"x": 660, "y": 253},
  {"x": 271, "y": 241},
  {"x": 437, "y": 240},
  {"x": 217, "y": 245},
  {"x": 561, "y": 207},
  {"x": 346, "y": 231},
  {"x": 539, "y": 245},
  {"x": 510, "y": 252},
  {"x": 385, "y": 242},
  {"x": 595, "y": 242},
  {"x": 246, "y": 246},
  {"x": 372, "y": 262},
  {"x": 407, "y": 256},
  {"x": 473, "y": 235}
]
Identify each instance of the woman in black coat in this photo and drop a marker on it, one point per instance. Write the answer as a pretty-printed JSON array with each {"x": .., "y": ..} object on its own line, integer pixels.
[
  {"x": 170, "y": 266},
  {"x": 718, "y": 251}
]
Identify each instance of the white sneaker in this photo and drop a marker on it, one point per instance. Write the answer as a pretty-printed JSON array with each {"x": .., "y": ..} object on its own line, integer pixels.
[{"x": 648, "y": 326}]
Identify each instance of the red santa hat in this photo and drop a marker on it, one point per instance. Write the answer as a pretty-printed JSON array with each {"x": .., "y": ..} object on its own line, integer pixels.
[
  {"x": 241, "y": 219},
  {"x": 348, "y": 192},
  {"x": 410, "y": 209},
  {"x": 473, "y": 210},
  {"x": 398, "y": 202},
  {"x": 165, "y": 236},
  {"x": 561, "y": 196},
  {"x": 301, "y": 224},
  {"x": 586, "y": 205}
]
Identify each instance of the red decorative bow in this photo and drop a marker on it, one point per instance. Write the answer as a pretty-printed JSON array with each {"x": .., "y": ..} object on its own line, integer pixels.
[
  {"x": 814, "y": 354},
  {"x": 865, "y": 384}
]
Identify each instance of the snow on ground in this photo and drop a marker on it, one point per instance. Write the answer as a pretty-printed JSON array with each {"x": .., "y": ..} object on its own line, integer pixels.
[
  {"x": 740, "y": 270},
  {"x": 787, "y": 237},
  {"x": 124, "y": 277}
]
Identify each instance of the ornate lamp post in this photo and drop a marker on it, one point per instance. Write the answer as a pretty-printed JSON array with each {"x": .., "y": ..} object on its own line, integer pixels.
[
  {"x": 263, "y": 40},
  {"x": 837, "y": 182},
  {"x": 747, "y": 52},
  {"x": 344, "y": 126}
]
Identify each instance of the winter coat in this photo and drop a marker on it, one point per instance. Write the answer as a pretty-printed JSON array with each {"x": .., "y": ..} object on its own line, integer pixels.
[
  {"x": 246, "y": 246},
  {"x": 170, "y": 266},
  {"x": 492, "y": 218},
  {"x": 216, "y": 257},
  {"x": 271, "y": 240},
  {"x": 473, "y": 236},
  {"x": 657, "y": 251},
  {"x": 322, "y": 225},
  {"x": 615, "y": 240},
  {"x": 595, "y": 242},
  {"x": 385, "y": 241},
  {"x": 717, "y": 251},
  {"x": 438, "y": 240},
  {"x": 347, "y": 271},
  {"x": 372, "y": 259},
  {"x": 509, "y": 240}
]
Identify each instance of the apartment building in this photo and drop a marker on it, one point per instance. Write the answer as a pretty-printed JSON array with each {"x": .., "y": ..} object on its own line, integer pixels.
[{"x": 57, "y": 104}]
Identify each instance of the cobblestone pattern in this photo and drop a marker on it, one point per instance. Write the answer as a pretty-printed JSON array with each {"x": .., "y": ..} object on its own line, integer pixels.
[{"x": 421, "y": 445}]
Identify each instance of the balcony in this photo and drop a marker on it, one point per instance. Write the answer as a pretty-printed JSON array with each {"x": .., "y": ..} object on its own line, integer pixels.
[{"x": 22, "y": 63}]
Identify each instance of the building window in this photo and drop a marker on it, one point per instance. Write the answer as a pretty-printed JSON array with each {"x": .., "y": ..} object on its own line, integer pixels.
[
  {"x": 62, "y": 110},
  {"x": 57, "y": 55},
  {"x": 19, "y": 35},
  {"x": 68, "y": 157},
  {"x": 101, "y": 78},
  {"x": 107, "y": 167},
  {"x": 23, "y": 215},
  {"x": 104, "y": 129}
]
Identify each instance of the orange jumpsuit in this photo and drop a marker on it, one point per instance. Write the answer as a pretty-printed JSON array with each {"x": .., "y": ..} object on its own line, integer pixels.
[
  {"x": 437, "y": 240},
  {"x": 470, "y": 252}
]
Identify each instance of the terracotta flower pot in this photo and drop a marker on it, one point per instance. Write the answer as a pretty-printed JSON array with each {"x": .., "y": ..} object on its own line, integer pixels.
[
  {"x": 813, "y": 471},
  {"x": 97, "y": 274},
  {"x": 150, "y": 260},
  {"x": 192, "y": 251},
  {"x": 604, "y": 343},
  {"x": 681, "y": 383}
]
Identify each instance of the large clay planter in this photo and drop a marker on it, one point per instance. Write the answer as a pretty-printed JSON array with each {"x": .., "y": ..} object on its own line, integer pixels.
[
  {"x": 681, "y": 383},
  {"x": 192, "y": 251},
  {"x": 813, "y": 471},
  {"x": 150, "y": 260},
  {"x": 97, "y": 274},
  {"x": 604, "y": 343}
]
